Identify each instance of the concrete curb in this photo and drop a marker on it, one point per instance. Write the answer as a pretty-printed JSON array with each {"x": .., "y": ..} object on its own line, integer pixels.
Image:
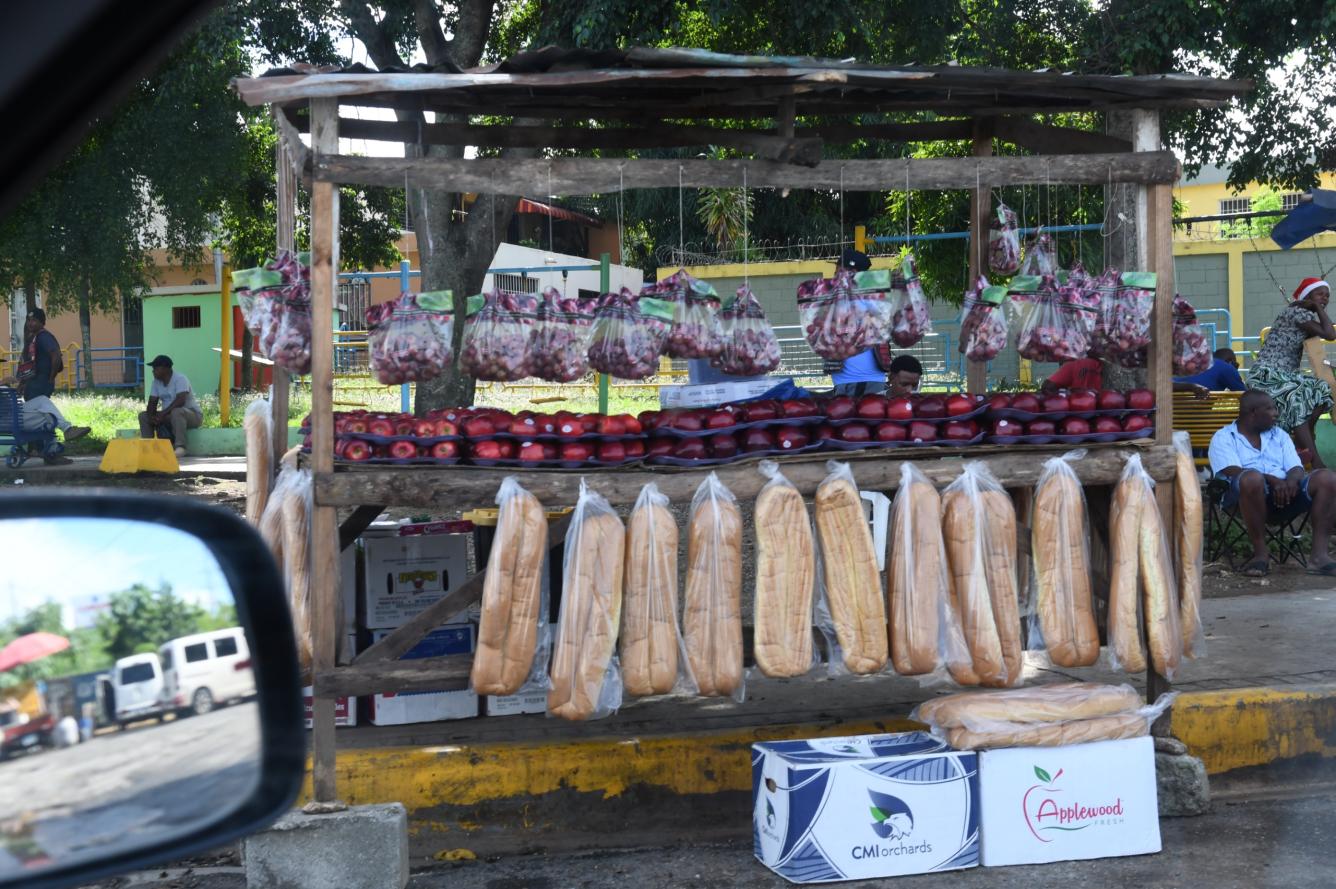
[{"x": 475, "y": 799}]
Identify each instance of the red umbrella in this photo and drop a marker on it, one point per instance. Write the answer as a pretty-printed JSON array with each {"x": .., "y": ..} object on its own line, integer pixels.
[{"x": 29, "y": 648}]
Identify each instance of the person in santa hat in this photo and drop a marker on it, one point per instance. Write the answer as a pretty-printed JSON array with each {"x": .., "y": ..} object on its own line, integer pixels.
[{"x": 1300, "y": 398}]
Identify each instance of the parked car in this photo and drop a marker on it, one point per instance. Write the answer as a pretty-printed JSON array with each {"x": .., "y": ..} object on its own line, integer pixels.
[
  {"x": 136, "y": 686},
  {"x": 20, "y": 733},
  {"x": 204, "y": 670}
]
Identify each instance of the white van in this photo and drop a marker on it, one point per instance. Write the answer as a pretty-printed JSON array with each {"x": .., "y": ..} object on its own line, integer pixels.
[
  {"x": 206, "y": 669},
  {"x": 136, "y": 686}
]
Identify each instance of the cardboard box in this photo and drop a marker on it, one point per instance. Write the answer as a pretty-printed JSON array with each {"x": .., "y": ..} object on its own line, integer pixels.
[
  {"x": 345, "y": 709},
  {"x": 1042, "y": 804},
  {"x": 407, "y": 570},
  {"x": 863, "y": 807},
  {"x": 428, "y": 706},
  {"x": 514, "y": 705},
  {"x": 711, "y": 394}
]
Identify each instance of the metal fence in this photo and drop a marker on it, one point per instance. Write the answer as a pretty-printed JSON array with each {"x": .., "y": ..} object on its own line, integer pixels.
[{"x": 113, "y": 367}]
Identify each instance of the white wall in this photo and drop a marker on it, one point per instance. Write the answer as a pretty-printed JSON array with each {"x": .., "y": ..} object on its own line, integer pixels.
[{"x": 510, "y": 256}]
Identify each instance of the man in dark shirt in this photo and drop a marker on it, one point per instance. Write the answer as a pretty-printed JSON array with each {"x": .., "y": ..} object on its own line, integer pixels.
[
  {"x": 1221, "y": 376},
  {"x": 40, "y": 348}
]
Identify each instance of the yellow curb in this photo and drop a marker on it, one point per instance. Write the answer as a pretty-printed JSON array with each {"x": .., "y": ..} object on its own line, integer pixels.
[{"x": 1227, "y": 729}]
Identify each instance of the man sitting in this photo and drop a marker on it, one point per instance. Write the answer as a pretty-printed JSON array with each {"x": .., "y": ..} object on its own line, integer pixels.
[
  {"x": 1267, "y": 482},
  {"x": 1221, "y": 376},
  {"x": 904, "y": 376},
  {"x": 40, "y": 414},
  {"x": 172, "y": 408}
]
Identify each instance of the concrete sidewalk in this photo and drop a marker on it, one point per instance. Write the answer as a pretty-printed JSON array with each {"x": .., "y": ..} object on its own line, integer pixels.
[{"x": 34, "y": 471}]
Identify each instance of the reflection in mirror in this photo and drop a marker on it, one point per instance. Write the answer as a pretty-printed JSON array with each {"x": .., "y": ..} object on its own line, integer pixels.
[{"x": 126, "y": 691}]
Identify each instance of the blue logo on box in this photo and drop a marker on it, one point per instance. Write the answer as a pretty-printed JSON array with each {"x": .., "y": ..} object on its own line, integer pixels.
[{"x": 892, "y": 819}]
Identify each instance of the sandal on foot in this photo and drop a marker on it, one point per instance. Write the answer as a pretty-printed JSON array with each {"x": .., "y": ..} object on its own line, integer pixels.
[
  {"x": 1327, "y": 570},
  {"x": 1259, "y": 568}
]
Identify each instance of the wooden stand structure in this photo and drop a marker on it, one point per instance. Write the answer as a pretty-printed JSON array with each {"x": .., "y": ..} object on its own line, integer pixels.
[{"x": 640, "y": 98}]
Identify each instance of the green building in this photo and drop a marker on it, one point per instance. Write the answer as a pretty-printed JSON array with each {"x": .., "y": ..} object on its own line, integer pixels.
[{"x": 183, "y": 323}]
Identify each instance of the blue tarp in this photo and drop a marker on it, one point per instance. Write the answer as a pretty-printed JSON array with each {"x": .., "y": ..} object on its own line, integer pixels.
[{"x": 1307, "y": 219}]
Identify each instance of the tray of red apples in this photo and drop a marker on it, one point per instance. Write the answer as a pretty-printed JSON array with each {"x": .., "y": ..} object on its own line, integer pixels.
[
  {"x": 1072, "y": 430},
  {"x": 730, "y": 418},
  {"x": 1087, "y": 404},
  {"x": 900, "y": 433},
  {"x": 873, "y": 409},
  {"x": 727, "y": 446}
]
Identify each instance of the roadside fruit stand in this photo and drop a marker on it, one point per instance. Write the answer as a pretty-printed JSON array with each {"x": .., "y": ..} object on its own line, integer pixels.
[{"x": 641, "y": 99}]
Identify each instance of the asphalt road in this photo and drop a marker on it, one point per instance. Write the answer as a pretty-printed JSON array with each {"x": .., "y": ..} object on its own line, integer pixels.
[{"x": 125, "y": 788}]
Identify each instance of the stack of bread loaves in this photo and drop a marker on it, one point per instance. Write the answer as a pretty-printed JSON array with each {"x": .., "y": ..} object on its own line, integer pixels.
[{"x": 849, "y": 568}]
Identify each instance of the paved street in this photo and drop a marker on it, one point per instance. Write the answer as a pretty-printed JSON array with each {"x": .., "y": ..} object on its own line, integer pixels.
[{"x": 125, "y": 787}]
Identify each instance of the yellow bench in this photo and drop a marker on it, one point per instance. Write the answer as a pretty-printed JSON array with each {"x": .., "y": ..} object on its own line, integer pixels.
[{"x": 1200, "y": 417}]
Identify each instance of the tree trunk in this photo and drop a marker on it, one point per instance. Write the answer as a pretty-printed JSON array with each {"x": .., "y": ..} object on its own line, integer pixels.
[
  {"x": 86, "y": 330},
  {"x": 247, "y": 365},
  {"x": 29, "y": 297},
  {"x": 1120, "y": 247}
]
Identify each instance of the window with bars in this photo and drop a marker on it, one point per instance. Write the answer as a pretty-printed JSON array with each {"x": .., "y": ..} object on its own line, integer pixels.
[
  {"x": 185, "y": 316},
  {"x": 515, "y": 283},
  {"x": 1235, "y": 205},
  {"x": 1290, "y": 201}
]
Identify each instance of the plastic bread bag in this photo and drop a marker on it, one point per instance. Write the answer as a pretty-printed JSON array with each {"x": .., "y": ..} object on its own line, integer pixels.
[
  {"x": 695, "y": 331},
  {"x": 1188, "y": 529},
  {"x": 498, "y": 336},
  {"x": 629, "y": 335},
  {"x": 712, "y": 607},
  {"x": 1004, "y": 242},
  {"x": 1132, "y": 497},
  {"x": 409, "y": 339},
  {"x": 925, "y": 630},
  {"x": 513, "y": 633},
  {"x": 653, "y": 654},
  {"x": 257, "y": 426},
  {"x": 911, "y": 315},
  {"x": 748, "y": 346},
  {"x": 1159, "y": 587},
  {"x": 785, "y": 578},
  {"x": 847, "y": 314},
  {"x": 586, "y": 677},
  {"x": 295, "y": 504},
  {"x": 1064, "y": 621},
  {"x": 983, "y": 325},
  {"x": 851, "y": 611},
  {"x": 561, "y": 339},
  {"x": 979, "y": 528}
]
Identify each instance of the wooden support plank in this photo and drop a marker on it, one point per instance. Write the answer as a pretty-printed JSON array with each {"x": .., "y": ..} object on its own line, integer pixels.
[
  {"x": 447, "y": 673},
  {"x": 355, "y": 524},
  {"x": 297, "y": 156},
  {"x": 401, "y": 641},
  {"x": 324, "y": 519},
  {"x": 286, "y": 207},
  {"x": 875, "y": 471},
  {"x": 976, "y": 372},
  {"x": 1045, "y": 139},
  {"x": 570, "y": 176}
]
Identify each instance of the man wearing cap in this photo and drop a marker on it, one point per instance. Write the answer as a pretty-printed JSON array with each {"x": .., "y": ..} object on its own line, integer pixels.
[
  {"x": 1300, "y": 398},
  {"x": 179, "y": 412}
]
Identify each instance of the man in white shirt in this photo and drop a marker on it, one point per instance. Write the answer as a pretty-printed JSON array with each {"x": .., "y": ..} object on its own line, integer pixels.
[
  {"x": 172, "y": 408},
  {"x": 1267, "y": 482}
]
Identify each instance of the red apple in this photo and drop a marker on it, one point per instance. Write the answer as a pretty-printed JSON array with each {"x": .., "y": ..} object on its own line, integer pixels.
[
  {"x": 792, "y": 438},
  {"x": 758, "y": 439},
  {"x": 1107, "y": 424},
  {"x": 1074, "y": 426},
  {"x": 611, "y": 451},
  {"x": 900, "y": 408},
  {"x": 573, "y": 451},
  {"x": 635, "y": 449},
  {"x": 404, "y": 425},
  {"x": 1041, "y": 427},
  {"x": 1000, "y": 401},
  {"x": 1111, "y": 400},
  {"x": 760, "y": 410},
  {"x": 444, "y": 449},
  {"x": 930, "y": 407},
  {"x": 690, "y": 449},
  {"x": 380, "y": 426},
  {"x": 825, "y": 432},
  {"x": 1141, "y": 399},
  {"x": 357, "y": 424},
  {"x": 357, "y": 451},
  {"x": 800, "y": 407},
  {"x": 892, "y": 432},
  {"x": 647, "y": 419},
  {"x": 550, "y": 450},
  {"x": 1136, "y": 423},
  {"x": 840, "y": 407},
  {"x": 958, "y": 430},
  {"x": 631, "y": 424},
  {"x": 687, "y": 421},
  {"x": 1083, "y": 399},
  {"x": 485, "y": 450},
  {"x": 507, "y": 449},
  {"x": 872, "y": 407},
  {"x": 611, "y": 426},
  {"x": 919, "y": 431},
  {"x": 720, "y": 419},
  {"x": 545, "y": 423},
  {"x": 1008, "y": 427},
  {"x": 424, "y": 428},
  {"x": 660, "y": 447},
  {"x": 1026, "y": 401},
  {"x": 959, "y": 404},
  {"x": 445, "y": 427},
  {"x": 590, "y": 422},
  {"x": 1058, "y": 402},
  {"x": 475, "y": 427},
  {"x": 724, "y": 444},
  {"x": 855, "y": 432},
  {"x": 532, "y": 452},
  {"x": 568, "y": 425}
]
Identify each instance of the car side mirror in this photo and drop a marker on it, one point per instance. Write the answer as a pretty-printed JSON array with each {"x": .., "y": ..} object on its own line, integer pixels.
[{"x": 149, "y": 691}]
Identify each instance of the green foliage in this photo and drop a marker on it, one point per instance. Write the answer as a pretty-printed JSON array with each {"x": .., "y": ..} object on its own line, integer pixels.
[
  {"x": 1267, "y": 198},
  {"x": 141, "y": 616}
]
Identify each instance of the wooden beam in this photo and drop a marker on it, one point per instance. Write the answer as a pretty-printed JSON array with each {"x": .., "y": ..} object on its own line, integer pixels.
[
  {"x": 324, "y": 519},
  {"x": 355, "y": 524},
  {"x": 447, "y": 673},
  {"x": 401, "y": 641},
  {"x": 981, "y": 202},
  {"x": 285, "y": 180},
  {"x": 297, "y": 154},
  {"x": 465, "y": 486},
  {"x": 1046, "y": 139},
  {"x": 569, "y": 176}
]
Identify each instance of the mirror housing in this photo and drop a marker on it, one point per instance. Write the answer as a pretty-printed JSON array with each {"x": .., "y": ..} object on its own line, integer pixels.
[{"x": 260, "y": 600}]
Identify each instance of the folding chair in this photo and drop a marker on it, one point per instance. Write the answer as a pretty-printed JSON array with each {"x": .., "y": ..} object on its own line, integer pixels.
[{"x": 1226, "y": 533}]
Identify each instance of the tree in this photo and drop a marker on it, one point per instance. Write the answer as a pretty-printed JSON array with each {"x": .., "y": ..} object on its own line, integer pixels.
[
  {"x": 87, "y": 651},
  {"x": 140, "y": 617},
  {"x": 1266, "y": 199}
]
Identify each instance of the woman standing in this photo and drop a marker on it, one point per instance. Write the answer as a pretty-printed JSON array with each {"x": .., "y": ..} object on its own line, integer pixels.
[{"x": 1300, "y": 398}]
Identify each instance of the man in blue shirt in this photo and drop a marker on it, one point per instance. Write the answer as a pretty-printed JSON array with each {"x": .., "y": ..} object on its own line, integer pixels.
[
  {"x": 1267, "y": 481},
  {"x": 1221, "y": 376}
]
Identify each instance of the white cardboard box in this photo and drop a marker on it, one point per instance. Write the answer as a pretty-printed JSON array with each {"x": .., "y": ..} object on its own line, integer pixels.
[
  {"x": 407, "y": 572},
  {"x": 428, "y": 706},
  {"x": 863, "y": 807},
  {"x": 711, "y": 394},
  {"x": 345, "y": 709},
  {"x": 513, "y": 705},
  {"x": 1044, "y": 804}
]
